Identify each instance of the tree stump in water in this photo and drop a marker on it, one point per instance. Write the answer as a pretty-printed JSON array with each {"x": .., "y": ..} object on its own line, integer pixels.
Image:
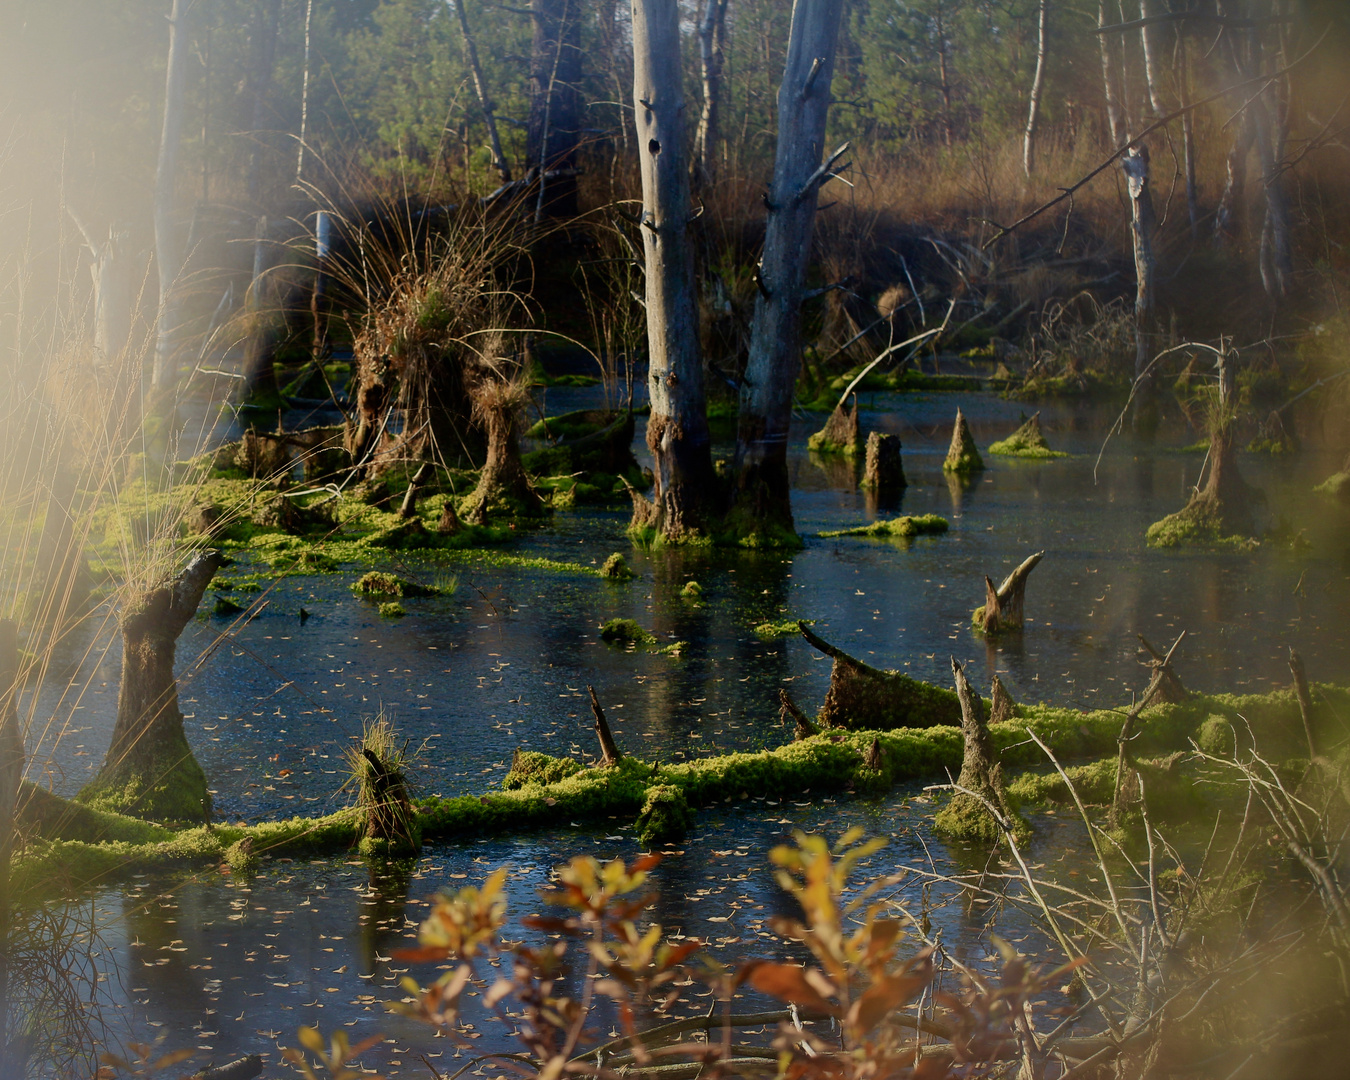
[
  {"x": 149, "y": 770},
  {"x": 841, "y": 433},
  {"x": 863, "y": 697},
  {"x": 1002, "y": 707},
  {"x": 449, "y": 522},
  {"x": 974, "y": 813},
  {"x": 883, "y": 473},
  {"x": 963, "y": 456},
  {"x": 390, "y": 820},
  {"x": 1002, "y": 607},
  {"x": 1169, "y": 688}
]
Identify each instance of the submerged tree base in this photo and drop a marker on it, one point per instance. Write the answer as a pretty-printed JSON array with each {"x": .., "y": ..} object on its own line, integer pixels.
[{"x": 1200, "y": 523}]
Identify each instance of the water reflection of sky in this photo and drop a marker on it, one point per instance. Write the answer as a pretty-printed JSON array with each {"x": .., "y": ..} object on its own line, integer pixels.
[
  {"x": 231, "y": 969},
  {"x": 505, "y": 661}
]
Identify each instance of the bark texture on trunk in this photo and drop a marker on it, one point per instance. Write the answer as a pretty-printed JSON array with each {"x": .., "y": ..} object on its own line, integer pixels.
[
  {"x": 682, "y": 500},
  {"x": 763, "y": 512},
  {"x": 555, "y": 104},
  {"x": 712, "y": 27},
  {"x": 168, "y": 256},
  {"x": 150, "y": 770},
  {"x": 867, "y": 698},
  {"x": 1037, "y": 87}
]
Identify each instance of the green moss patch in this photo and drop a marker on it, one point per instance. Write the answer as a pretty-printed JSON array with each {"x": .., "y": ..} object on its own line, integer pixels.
[
  {"x": 665, "y": 817},
  {"x": 1028, "y": 441},
  {"x": 1196, "y": 525},
  {"x": 379, "y": 583},
  {"x": 531, "y": 767},
  {"x": 616, "y": 568},
  {"x": 392, "y": 609},
  {"x": 903, "y": 527},
  {"x": 781, "y": 628}
]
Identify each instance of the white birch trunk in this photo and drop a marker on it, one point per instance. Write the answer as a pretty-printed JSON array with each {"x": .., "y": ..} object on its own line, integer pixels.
[
  {"x": 1037, "y": 88},
  {"x": 762, "y": 509},
  {"x": 677, "y": 430},
  {"x": 1135, "y": 165},
  {"x": 711, "y": 36},
  {"x": 1114, "y": 118},
  {"x": 168, "y": 259},
  {"x": 1149, "y": 36}
]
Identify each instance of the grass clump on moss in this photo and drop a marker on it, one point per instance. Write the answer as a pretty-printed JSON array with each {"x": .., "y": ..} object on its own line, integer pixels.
[
  {"x": 692, "y": 591},
  {"x": 379, "y": 583},
  {"x": 531, "y": 767},
  {"x": 903, "y": 527}
]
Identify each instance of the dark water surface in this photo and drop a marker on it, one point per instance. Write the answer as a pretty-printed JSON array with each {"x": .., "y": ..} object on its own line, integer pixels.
[{"x": 505, "y": 660}]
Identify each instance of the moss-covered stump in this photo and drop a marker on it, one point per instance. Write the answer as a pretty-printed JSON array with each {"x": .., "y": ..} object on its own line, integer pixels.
[
  {"x": 980, "y": 810},
  {"x": 1218, "y": 515},
  {"x": 628, "y": 633},
  {"x": 963, "y": 456},
  {"x": 665, "y": 817},
  {"x": 861, "y": 696},
  {"x": 531, "y": 767},
  {"x": 883, "y": 472},
  {"x": 616, "y": 568},
  {"x": 378, "y": 583},
  {"x": 841, "y": 433},
  {"x": 902, "y": 527},
  {"x": 149, "y": 770},
  {"x": 1028, "y": 441}
]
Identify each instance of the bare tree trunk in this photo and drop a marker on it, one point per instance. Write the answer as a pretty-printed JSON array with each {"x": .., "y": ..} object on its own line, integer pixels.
[
  {"x": 266, "y": 23},
  {"x": 304, "y": 98},
  {"x": 677, "y": 430},
  {"x": 555, "y": 104},
  {"x": 112, "y": 290},
  {"x": 484, "y": 100},
  {"x": 762, "y": 507},
  {"x": 610, "y": 755},
  {"x": 944, "y": 78},
  {"x": 168, "y": 258},
  {"x": 11, "y": 773},
  {"x": 1235, "y": 182},
  {"x": 149, "y": 770},
  {"x": 1114, "y": 117},
  {"x": 1149, "y": 38},
  {"x": 1037, "y": 87},
  {"x": 1135, "y": 164},
  {"x": 261, "y": 343},
  {"x": 712, "y": 29},
  {"x": 1188, "y": 137},
  {"x": 1276, "y": 261}
]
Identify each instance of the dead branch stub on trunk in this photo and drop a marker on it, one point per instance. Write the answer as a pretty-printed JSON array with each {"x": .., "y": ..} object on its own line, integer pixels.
[
  {"x": 1127, "y": 785},
  {"x": 1300, "y": 674},
  {"x": 1002, "y": 608},
  {"x": 862, "y": 697},
  {"x": 803, "y": 728},
  {"x": 609, "y": 749}
]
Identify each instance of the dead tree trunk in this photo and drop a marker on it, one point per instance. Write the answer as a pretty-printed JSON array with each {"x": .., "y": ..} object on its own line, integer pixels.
[
  {"x": 609, "y": 749},
  {"x": 1115, "y": 120},
  {"x": 677, "y": 431},
  {"x": 1235, "y": 182},
  {"x": 712, "y": 32},
  {"x": 1142, "y": 221},
  {"x": 1002, "y": 610},
  {"x": 408, "y": 508},
  {"x": 1149, "y": 34},
  {"x": 762, "y": 507},
  {"x": 1300, "y": 675},
  {"x": 1188, "y": 137},
  {"x": 1037, "y": 87},
  {"x": 260, "y": 344},
  {"x": 11, "y": 773},
  {"x": 168, "y": 257},
  {"x": 866, "y": 698},
  {"x": 1127, "y": 785},
  {"x": 883, "y": 471},
  {"x": 969, "y": 815},
  {"x": 112, "y": 291},
  {"x": 554, "y": 126},
  {"x": 149, "y": 770},
  {"x": 484, "y": 99}
]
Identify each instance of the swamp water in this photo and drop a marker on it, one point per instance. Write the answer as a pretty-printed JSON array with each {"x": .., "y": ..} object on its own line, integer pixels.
[{"x": 504, "y": 661}]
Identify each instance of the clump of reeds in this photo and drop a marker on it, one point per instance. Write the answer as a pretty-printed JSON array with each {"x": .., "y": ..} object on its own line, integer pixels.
[{"x": 377, "y": 771}]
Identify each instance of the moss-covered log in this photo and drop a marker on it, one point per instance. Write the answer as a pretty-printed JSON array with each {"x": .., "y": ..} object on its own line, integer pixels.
[
  {"x": 150, "y": 770},
  {"x": 861, "y": 696}
]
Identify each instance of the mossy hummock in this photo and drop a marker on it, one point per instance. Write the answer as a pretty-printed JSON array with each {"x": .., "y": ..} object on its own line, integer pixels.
[
  {"x": 902, "y": 527},
  {"x": 1028, "y": 441}
]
